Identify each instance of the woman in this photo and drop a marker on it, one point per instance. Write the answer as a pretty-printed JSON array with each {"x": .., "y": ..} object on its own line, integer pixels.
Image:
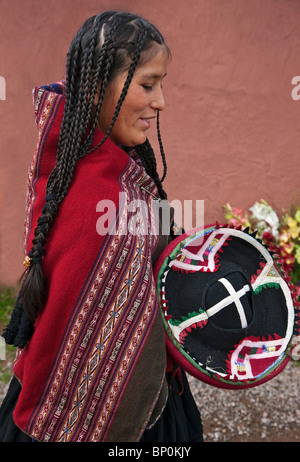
[{"x": 91, "y": 363}]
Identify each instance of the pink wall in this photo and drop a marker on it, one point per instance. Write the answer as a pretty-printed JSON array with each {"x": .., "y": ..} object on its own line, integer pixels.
[{"x": 231, "y": 129}]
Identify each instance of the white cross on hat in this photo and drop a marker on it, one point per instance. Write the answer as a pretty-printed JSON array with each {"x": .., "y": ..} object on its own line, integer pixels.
[{"x": 233, "y": 297}]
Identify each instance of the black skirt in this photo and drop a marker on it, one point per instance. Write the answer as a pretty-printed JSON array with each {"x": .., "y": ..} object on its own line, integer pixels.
[
  {"x": 179, "y": 422},
  {"x": 9, "y": 432}
]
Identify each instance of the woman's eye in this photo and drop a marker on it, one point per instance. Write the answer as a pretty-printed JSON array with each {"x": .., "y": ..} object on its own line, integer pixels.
[{"x": 147, "y": 87}]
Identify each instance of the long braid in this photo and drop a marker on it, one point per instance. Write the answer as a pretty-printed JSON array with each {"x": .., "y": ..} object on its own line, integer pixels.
[
  {"x": 91, "y": 58},
  {"x": 80, "y": 124},
  {"x": 148, "y": 159},
  {"x": 163, "y": 157}
]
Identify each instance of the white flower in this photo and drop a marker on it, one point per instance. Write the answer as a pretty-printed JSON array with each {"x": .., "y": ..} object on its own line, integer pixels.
[
  {"x": 260, "y": 210},
  {"x": 267, "y": 219},
  {"x": 272, "y": 219}
]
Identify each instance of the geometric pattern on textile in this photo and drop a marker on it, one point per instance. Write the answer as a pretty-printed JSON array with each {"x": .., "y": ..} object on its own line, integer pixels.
[{"x": 119, "y": 294}]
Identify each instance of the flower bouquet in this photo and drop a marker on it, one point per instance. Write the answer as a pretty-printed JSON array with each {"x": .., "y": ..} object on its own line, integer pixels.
[{"x": 280, "y": 233}]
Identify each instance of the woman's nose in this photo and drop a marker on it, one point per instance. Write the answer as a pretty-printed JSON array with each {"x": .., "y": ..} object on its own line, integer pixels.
[{"x": 158, "y": 101}]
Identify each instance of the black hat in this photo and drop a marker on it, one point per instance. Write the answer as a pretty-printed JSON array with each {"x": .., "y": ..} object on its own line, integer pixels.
[{"x": 229, "y": 314}]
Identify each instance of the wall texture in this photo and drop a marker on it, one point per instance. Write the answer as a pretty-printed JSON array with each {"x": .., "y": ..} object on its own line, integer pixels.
[{"x": 231, "y": 129}]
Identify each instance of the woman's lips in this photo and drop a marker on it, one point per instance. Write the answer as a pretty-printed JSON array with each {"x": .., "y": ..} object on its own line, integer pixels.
[{"x": 146, "y": 121}]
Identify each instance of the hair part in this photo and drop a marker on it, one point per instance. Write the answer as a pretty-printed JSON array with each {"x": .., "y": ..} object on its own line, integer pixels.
[{"x": 105, "y": 46}]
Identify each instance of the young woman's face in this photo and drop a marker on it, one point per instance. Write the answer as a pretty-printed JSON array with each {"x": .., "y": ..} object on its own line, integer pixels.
[{"x": 139, "y": 109}]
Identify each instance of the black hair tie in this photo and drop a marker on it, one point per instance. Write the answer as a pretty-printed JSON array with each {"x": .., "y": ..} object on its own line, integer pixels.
[
  {"x": 50, "y": 197},
  {"x": 34, "y": 260}
]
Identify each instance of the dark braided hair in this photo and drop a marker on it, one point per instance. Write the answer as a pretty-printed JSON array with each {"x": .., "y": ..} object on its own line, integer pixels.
[{"x": 105, "y": 46}]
